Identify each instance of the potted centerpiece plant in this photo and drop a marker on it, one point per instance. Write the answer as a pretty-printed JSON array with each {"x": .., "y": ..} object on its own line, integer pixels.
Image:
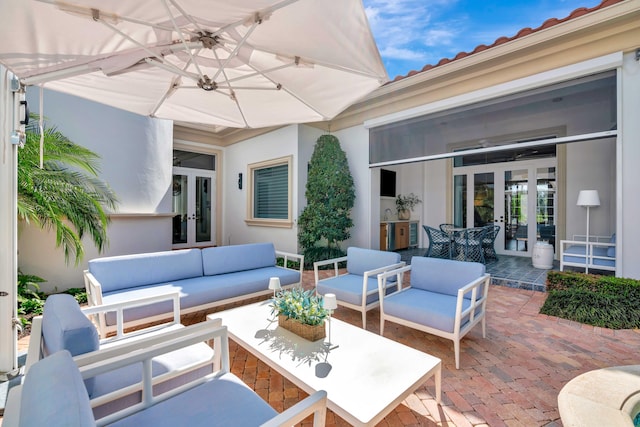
[
  {"x": 302, "y": 312},
  {"x": 405, "y": 204}
]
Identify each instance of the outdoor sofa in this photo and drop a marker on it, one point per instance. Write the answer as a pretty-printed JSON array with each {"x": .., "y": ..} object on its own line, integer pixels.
[
  {"x": 53, "y": 393},
  {"x": 205, "y": 278},
  {"x": 597, "y": 254},
  {"x": 66, "y": 326},
  {"x": 446, "y": 298},
  {"x": 357, "y": 288}
]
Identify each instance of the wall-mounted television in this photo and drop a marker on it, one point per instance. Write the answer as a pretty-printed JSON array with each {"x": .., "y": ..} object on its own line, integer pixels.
[{"x": 387, "y": 183}]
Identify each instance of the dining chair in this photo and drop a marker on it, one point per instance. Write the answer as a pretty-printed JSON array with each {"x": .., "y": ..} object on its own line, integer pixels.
[
  {"x": 488, "y": 242},
  {"x": 448, "y": 228},
  {"x": 468, "y": 244},
  {"x": 439, "y": 243}
]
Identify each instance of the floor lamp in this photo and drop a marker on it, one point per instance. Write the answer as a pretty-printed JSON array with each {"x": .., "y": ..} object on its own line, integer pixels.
[{"x": 587, "y": 199}]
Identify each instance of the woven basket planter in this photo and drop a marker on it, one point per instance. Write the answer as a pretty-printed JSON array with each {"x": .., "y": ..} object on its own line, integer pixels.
[{"x": 308, "y": 332}]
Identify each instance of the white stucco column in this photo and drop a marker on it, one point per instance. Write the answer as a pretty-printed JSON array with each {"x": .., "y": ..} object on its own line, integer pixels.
[{"x": 8, "y": 226}]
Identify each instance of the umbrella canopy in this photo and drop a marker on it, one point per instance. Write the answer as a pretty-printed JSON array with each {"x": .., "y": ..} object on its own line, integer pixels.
[{"x": 240, "y": 63}]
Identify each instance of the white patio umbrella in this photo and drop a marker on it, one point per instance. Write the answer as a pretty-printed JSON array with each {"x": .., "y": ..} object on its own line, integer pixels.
[
  {"x": 234, "y": 63},
  {"x": 240, "y": 63}
]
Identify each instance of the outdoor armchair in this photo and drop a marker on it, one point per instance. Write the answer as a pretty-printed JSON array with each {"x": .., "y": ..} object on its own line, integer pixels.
[
  {"x": 358, "y": 287},
  {"x": 54, "y": 394},
  {"x": 447, "y": 298},
  {"x": 65, "y": 326}
]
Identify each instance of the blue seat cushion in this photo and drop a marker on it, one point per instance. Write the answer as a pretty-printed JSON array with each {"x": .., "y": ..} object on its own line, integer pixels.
[
  {"x": 425, "y": 308},
  {"x": 229, "y": 259},
  {"x": 53, "y": 393},
  {"x": 200, "y": 290},
  {"x": 359, "y": 260},
  {"x": 225, "y": 401},
  {"x": 130, "y": 271},
  {"x": 65, "y": 327},
  {"x": 444, "y": 276},
  {"x": 348, "y": 288}
]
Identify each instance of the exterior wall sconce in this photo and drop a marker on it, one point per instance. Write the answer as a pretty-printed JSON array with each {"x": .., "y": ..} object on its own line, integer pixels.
[{"x": 240, "y": 181}]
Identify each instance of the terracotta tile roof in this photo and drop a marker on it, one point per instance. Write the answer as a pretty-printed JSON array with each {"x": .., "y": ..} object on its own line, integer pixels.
[{"x": 522, "y": 33}]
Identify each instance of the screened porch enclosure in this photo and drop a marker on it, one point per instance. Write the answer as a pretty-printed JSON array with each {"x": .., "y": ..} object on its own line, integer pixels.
[{"x": 517, "y": 161}]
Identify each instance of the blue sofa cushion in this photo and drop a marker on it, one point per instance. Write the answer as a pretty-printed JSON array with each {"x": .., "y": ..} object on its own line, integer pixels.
[
  {"x": 361, "y": 260},
  {"x": 611, "y": 251},
  {"x": 225, "y": 401},
  {"x": 430, "y": 309},
  {"x": 348, "y": 288},
  {"x": 65, "y": 327},
  {"x": 53, "y": 392},
  {"x": 200, "y": 290},
  {"x": 577, "y": 254},
  {"x": 130, "y": 271},
  {"x": 229, "y": 259},
  {"x": 444, "y": 276}
]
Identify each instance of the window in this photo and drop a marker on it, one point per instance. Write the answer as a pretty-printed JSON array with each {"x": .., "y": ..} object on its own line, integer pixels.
[{"x": 269, "y": 195}]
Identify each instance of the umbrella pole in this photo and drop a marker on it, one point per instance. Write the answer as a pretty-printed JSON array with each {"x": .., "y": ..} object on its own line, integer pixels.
[{"x": 9, "y": 101}]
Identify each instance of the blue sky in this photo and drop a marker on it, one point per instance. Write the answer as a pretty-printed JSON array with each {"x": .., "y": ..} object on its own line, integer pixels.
[{"x": 413, "y": 33}]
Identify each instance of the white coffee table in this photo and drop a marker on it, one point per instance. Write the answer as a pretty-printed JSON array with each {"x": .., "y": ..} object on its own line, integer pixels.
[{"x": 365, "y": 375}]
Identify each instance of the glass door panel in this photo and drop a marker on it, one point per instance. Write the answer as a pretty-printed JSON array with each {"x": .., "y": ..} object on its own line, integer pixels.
[
  {"x": 180, "y": 208},
  {"x": 460, "y": 200},
  {"x": 546, "y": 202},
  {"x": 483, "y": 199},
  {"x": 203, "y": 209},
  {"x": 516, "y": 203}
]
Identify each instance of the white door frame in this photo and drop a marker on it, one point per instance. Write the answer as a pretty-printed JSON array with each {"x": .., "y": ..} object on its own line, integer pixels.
[
  {"x": 191, "y": 205},
  {"x": 498, "y": 170}
]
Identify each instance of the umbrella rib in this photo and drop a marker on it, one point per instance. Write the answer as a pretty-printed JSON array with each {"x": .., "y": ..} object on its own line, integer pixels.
[
  {"x": 184, "y": 43},
  {"x": 235, "y": 50},
  {"x": 186, "y": 15}
]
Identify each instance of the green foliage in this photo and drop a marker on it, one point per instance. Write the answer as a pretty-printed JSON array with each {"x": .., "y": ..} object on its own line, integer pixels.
[
  {"x": 80, "y": 294},
  {"x": 407, "y": 203},
  {"x": 330, "y": 193},
  {"x": 303, "y": 306},
  {"x": 65, "y": 195},
  {"x": 30, "y": 299},
  {"x": 604, "y": 301}
]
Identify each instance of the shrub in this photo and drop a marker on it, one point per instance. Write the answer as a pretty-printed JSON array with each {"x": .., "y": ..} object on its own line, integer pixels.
[{"x": 605, "y": 301}]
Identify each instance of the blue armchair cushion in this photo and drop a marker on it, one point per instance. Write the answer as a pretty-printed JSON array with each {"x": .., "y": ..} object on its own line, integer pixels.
[
  {"x": 348, "y": 288},
  {"x": 130, "y": 271},
  {"x": 430, "y": 309},
  {"x": 225, "y": 401},
  {"x": 228, "y": 259},
  {"x": 53, "y": 392},
  {"x": 65, "y": 327},
  {"x": 361, "y": 260},
  {"x": 444, "y": 276}
]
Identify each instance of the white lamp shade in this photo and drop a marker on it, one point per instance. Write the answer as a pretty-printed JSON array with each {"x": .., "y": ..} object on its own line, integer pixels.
[
  {"x": 588, "y": 198},
  {"x": 330, "y": 302},
  {"x": 274, "y": 283}
]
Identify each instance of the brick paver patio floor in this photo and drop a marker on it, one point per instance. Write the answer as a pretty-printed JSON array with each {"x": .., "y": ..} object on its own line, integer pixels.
[{"x": 511, "y": 378}]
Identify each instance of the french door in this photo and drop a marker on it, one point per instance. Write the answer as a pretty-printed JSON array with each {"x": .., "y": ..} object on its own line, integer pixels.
[
  {"x": 193, "y": 198},
  {"x": 519, "y": 197}
]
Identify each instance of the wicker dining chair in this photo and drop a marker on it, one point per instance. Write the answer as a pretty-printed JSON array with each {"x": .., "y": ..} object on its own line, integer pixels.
[
  {"x": 448, "y": 228},
  {"x": 488, "y": 243},
  {"x": 468, "y": 244},
  {"x": 439, "y": 243}
]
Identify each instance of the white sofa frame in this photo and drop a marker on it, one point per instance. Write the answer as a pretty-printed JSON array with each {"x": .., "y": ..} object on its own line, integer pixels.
[
  {"x": 459, "y": 331},
  {"x": 594, "y": 241},
  {"x": 363, "y": 307},
  {"x": 94, "y": 296}
]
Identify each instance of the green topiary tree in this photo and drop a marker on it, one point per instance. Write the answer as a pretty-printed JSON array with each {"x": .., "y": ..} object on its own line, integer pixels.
[{"x": 330, "y": 193}]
